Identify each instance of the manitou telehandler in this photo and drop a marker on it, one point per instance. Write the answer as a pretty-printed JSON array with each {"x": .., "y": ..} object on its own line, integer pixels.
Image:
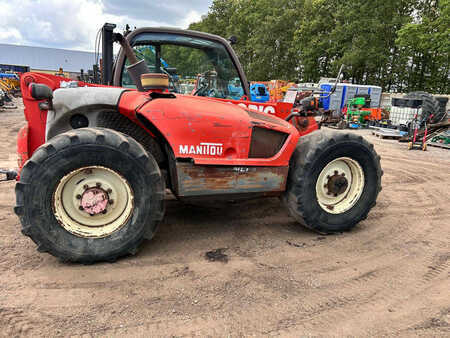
[{"x": 95, "y": 160}]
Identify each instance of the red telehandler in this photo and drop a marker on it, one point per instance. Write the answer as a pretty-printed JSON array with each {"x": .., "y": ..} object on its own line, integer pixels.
[{"x": 95, "y": 160}]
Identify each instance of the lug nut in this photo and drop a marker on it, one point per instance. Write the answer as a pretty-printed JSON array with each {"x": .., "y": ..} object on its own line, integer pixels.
[
  {"x": 109, "y": 190},
  {"x": 81, "y": 208},
  {"x": 85, "y": 186},
  {"x": 104, "y": 211},
  {"x": 328, "y": 176},
  {"x": 335, "y": 195},
  {"x": 336, "y": 172},
  {"x": 343, "y": 174},
  {"x": 78, "y": 197},
  {"x": 111, "y": 201},
  {"x": 98, "y": 184},
  {"x": 325, "y": 185}
]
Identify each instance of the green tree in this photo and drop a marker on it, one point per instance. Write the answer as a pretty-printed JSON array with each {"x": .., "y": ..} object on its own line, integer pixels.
[
  {"x": 426, "y": 41},
  {"x": 400, "y": 45}
]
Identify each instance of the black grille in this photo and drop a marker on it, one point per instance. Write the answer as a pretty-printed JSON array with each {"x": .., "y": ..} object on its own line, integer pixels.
[{"x": 266, "y": 143}]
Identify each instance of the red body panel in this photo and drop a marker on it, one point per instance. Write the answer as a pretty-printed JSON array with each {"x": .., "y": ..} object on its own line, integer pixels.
[
  {"x": 278, "y": 109},
  {"x": 213, "y": 132},
  {"x": 22, "y": 146}
]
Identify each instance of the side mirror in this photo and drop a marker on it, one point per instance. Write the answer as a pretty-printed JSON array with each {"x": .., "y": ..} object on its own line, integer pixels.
[
  {"x": 39, "y": 91},
  {"x": 233, "y": 40}
]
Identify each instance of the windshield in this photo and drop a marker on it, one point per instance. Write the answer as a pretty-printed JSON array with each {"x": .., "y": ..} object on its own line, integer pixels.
[{"x": 195, "y": 66}]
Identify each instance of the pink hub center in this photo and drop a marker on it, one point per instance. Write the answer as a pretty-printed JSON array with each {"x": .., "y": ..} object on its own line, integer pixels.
[{"x": 94, "y": 201}]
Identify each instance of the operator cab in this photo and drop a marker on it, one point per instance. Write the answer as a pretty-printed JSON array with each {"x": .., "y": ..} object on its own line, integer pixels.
[{"x": 198, "y": 65}]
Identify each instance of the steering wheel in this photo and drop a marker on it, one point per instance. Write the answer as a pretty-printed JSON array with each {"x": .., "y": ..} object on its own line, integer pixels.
[{"x": 213, "y": 92}]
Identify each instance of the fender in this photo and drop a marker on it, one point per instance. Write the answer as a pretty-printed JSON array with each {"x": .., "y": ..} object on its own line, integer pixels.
[{"x": 89, "y": 102}]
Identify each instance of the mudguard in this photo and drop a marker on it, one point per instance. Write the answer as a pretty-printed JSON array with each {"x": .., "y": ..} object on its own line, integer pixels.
[{"x": 89, "y": 101}]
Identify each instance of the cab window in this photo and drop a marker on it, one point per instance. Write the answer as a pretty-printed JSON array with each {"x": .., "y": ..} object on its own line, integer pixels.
[{"x": 194, "y": 66}]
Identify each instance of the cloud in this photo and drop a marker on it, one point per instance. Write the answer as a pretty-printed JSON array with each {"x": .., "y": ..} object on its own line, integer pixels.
[
  {"x": 167, "y": 12},
  {"x": 74, "y": 24}
]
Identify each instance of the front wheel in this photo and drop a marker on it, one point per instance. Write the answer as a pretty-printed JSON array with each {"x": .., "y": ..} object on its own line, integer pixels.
[
  {"x": 334, "y": 180},
  {"x": 90, "y": 195}
]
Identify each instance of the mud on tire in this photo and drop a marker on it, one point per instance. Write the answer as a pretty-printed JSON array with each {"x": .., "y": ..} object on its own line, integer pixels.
[
  {"x": 83, "y": 148},
  {"x": 308, "y": 164}
]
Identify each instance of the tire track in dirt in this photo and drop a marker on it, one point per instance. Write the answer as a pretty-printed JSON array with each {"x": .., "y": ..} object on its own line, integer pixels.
[{"x": 14, "y": 322}]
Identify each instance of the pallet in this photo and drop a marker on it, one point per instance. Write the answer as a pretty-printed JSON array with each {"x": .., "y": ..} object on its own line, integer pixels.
[{"x": 391, "y": 134}]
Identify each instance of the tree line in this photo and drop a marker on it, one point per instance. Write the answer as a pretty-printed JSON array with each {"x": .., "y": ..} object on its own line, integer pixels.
[{"x": 401, "y": 45}]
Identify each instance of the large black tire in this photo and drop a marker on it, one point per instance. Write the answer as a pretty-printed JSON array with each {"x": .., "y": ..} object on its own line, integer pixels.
[
  {"x": 67, "y": 153},
  {"x": 313, "y": 153},
  {"x": 429, "y": 106}
]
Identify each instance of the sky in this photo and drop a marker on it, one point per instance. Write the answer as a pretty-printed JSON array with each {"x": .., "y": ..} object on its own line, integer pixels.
[{"x": 73, "y": 24}]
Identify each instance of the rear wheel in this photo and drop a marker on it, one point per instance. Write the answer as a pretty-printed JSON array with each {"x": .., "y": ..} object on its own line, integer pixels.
[
  {"x": 333, "y": 182},
  {"x": 90, "y": 195}
]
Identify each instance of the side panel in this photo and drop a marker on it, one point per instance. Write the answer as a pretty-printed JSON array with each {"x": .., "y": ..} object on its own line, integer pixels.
[
  {"x": 209, "y": 131},
  {"x": 195, "y": 180}
]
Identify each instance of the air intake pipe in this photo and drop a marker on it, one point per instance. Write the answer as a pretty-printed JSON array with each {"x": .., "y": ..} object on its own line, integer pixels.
[{"x": 136, "y": 67}]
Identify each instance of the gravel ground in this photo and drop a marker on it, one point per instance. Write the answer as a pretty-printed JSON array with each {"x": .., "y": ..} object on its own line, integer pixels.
[{"x": 389, "y": 276}]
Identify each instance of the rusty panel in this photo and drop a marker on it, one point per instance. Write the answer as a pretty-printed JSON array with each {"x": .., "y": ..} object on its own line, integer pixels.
[{"x": 198, "y": 180}]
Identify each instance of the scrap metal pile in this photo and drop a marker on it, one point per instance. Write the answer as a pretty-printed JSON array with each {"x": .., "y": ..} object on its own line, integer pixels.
[{"x": 9, "y": 88}]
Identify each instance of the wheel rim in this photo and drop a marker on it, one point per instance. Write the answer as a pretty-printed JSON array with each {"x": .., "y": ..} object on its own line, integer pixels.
[
  {"x": 93, "y": 202},
  {"x": 340, "y": 185}
]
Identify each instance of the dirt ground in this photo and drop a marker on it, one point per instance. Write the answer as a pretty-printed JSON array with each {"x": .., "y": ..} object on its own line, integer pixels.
[{"x": 389, "y": 276}]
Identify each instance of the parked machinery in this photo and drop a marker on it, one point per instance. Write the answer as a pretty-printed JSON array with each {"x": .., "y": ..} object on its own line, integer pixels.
[{"x": 95, "y": 161}]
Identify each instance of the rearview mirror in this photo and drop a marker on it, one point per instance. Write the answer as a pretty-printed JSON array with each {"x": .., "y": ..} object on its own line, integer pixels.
[{"x": 39, "y": 91}]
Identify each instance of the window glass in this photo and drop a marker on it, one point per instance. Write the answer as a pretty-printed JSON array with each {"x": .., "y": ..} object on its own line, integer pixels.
[{"x": 195, "y": 66}]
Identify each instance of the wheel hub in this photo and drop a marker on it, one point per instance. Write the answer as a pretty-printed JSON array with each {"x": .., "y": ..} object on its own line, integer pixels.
[
  {"x": 337, "y": 184},
  {"x": 94, "y": 201}
]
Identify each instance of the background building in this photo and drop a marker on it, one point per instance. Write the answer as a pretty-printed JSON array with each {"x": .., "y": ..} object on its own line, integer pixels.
[{"x": 45, "y": 60}]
